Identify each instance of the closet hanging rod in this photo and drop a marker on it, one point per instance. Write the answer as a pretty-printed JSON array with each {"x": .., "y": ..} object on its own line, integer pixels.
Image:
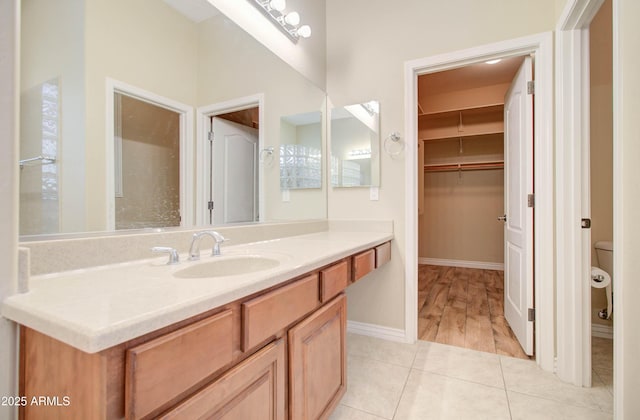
[{"x": 467, "y": 166}]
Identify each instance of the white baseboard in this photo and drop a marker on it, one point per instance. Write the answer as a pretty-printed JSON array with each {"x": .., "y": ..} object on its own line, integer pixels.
[
  {"x": 602, "y": 331},
  {"x": 377, "y": 331},
  {"x": 460, "y": 263}
]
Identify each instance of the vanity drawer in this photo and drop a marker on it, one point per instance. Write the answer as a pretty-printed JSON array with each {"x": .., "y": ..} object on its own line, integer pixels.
[
  {"x": 265, "y": 315},
  {"x": 161, "y": 369},
  {"x": 383, "y": 254},
  {"x": 254, "y": 389},
  {"x": 333, "y": 280},
  {"x": 363, "y": 264}
]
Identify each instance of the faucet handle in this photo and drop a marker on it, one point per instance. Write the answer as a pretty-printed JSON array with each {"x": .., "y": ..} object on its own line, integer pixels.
[
  {"x": 216, "y": 246},
  {"x": 174, "y": 258}
]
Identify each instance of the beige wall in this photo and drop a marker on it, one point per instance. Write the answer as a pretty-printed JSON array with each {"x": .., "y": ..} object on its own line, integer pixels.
[
  {"x": 601, "y": 67},
  {"x": 626, "y": 203},
  {"x": 559, "y": 7},
  {"x": 367, "y": 63},
  {"x": 460, "y": 208},
  {"x": 307, "y": 56},
  {"x": 9, "y": 128}
]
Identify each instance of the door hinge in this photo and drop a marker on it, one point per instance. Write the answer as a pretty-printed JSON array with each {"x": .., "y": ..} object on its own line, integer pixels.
[
  {"x": 531, "y": 314},
  {"x": 210, "y": 205},
  {"x": 531, "y": 87},
  {"x": 585, "y": 223},
  {"x": 531, "y": 200},
  {"x": 210, "y": 135}
]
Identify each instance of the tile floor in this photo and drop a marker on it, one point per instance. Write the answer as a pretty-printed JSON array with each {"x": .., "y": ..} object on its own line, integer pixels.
[{"x": 388, "y": 380}]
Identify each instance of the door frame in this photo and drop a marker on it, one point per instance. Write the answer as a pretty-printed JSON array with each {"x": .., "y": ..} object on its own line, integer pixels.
[
  {"x": 186, "y": 146},
  {"x": 542, "y": 46},
  {"x": 573, "y": 192},
  {"x": 203, "y": 114}
]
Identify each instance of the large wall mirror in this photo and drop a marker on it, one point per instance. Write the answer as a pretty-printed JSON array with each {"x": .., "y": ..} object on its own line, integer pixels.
[
  {"x": 355, "y": 145},
  {"x": 85, "y": 168}
]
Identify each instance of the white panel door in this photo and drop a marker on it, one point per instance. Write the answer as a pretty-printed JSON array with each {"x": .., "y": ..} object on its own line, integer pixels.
[
  {"x": 234, "y": 173},
  {"x": 518, "y": 230}
]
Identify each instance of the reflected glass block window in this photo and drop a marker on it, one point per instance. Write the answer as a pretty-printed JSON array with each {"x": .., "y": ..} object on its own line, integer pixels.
[
  {"x": 300, "y": 167},
  {"x": 50, "y": 138}
]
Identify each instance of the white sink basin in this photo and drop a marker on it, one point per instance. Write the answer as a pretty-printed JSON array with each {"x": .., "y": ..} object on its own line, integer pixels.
[{"x": 231, "y": 266}]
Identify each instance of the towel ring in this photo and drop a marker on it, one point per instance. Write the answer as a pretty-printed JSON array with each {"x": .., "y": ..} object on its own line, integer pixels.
[
  {"x": 393, "y": 144},
  {"x": 266, "y": 155}
]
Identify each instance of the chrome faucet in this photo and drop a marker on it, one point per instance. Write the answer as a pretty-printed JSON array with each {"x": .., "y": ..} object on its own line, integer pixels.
[{"x": 194, "y": 250}]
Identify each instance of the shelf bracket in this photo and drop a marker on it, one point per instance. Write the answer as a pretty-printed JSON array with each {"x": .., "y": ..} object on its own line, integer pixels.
[{"x": 460, "y": 124}]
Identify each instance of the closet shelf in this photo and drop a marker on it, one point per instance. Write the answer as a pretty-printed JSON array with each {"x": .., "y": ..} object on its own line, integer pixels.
[
  {"x": 467, "y": 135},
  {"x": 497, "y": 107},
  {"x": 464, "y": 166}
]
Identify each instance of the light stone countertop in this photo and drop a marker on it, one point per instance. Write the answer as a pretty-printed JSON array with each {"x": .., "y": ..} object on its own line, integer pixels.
[{"x": 97, "y": 308}]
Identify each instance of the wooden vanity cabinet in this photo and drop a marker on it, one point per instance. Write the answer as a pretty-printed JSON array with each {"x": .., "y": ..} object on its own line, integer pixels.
[
  {"x": 187, "y": 357},
  {"x": 317, "y": 362},
  {"x": 383, "y": 254},
  {"x": 363, "y": 264},
  {"x": 334, "y": 280},
  {"x": 264, "y": 316},
  {"x": 277, "y": 354},
  {"x": 254, "y": 389},
  {"x": 369, "y": 260}
]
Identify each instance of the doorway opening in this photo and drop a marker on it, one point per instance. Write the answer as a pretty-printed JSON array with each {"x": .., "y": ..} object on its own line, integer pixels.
[
  {"x": 233, "y": 167},
  {"x": 461, "y": 192},
  {"x": 541, "y": 45},
  {"x": 149, "y": 182},
  {"x": 230, "y": 185},
  {"x": 147, "y": 164},
  {"x": 600, "y": 196}
]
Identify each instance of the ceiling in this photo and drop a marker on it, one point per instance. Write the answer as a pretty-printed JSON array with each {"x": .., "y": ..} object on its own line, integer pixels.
[
  {"x": 196, "y": 10},
  {"x": 470, "y": 77}
]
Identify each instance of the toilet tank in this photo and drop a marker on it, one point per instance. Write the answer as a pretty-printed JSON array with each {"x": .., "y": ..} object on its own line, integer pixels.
[{"x": 604, "y": 252}]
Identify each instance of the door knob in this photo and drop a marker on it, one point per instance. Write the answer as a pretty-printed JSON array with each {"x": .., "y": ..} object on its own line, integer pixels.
[{"x": 502, "y": 218}]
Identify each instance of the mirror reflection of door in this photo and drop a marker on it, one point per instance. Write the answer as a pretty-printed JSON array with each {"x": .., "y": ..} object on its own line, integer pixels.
[
  {"x": 234, "y": 169},
  {"x": 147, "y": 164}
]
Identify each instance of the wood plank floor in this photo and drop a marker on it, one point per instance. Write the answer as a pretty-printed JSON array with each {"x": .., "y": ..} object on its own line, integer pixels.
[{"x": 464, "y": 307}]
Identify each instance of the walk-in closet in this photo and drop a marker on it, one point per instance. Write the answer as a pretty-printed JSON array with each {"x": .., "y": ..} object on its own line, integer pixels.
[{"x": 460, "y": 203}]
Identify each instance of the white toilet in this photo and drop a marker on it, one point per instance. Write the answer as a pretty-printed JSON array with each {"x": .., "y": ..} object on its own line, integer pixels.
[{"x": 604, "y": 253}]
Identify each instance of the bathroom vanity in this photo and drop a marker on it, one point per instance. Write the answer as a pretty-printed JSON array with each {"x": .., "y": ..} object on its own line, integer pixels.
[{"x": 266, "y": 344}]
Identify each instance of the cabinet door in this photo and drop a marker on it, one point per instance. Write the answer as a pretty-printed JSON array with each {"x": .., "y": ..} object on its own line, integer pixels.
[
  {"x": 253, "y": 390},
  {"x": 317, "y": 362}
]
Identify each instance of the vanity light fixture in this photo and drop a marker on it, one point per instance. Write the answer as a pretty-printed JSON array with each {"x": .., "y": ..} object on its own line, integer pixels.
[
  {"x": 359, "y": 154},
  {"x": 288, "y": 22}
]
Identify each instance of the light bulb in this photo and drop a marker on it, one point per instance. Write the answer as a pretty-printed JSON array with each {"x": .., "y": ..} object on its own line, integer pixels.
[
  {"x": 278, "y": 5},
  {"x": 292, "y": 18},
  {"x": 304, "y": 31}
]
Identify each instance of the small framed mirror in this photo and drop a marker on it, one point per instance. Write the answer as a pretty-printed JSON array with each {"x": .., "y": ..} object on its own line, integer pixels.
[
  {"x": 355, "y": 145},
  {"x": 301, "y": 151}
]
